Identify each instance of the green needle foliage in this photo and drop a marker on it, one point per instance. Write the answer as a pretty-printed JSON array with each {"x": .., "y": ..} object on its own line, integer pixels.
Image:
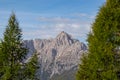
[
  {"x": 12, "y": 51},
  {"x": 12, "y": 55},
  {"x": 102, "y": 62},
  {"x": 31, "y": 68}
]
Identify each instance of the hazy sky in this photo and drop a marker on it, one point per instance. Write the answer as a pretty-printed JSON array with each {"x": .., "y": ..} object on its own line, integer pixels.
[{"x": 47, "y": 18}]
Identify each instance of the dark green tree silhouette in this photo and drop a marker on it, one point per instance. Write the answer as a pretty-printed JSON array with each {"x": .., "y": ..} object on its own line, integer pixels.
[
  {"x": 102, "y": 62},
  {"x": 12, "y": 51},
  {"x": 31, "y": 68},
  {"x": 13, "y": 55}
]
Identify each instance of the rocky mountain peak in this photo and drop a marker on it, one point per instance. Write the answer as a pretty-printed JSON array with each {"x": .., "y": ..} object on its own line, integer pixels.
[
  {"x": 64, "y": 39},
  {"x": 57, "y": 55},
  {"x": 63, "y": 35}
]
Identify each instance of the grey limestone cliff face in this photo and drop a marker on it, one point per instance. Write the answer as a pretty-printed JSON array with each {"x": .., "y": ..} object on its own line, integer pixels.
[
  {"x": 30, "y": 46},
  {"x": 56, "y": 55}
]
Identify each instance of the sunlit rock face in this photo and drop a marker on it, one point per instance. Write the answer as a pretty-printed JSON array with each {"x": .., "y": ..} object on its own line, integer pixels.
[{"x": 56, "y": 55}]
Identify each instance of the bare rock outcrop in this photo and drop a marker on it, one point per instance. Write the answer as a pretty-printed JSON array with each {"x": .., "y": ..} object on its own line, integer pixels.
[{"x": 56, "y": 55}]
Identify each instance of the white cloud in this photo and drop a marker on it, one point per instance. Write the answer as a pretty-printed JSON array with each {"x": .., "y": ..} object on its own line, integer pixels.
[
  {"x": 81, "y": 14},
  {"x": 77, "y": 30},
  {"x": 54, "y": 25},
  {"x": 84, "y": 15},
  {"x": 54, "y": 19},
  {"x": 34, "y": 26}
]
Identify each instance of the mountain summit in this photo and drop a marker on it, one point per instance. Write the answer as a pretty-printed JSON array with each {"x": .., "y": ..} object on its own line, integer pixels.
[
  {"x": 64, "y": 38},
  {"x": 56, "y": 56}
]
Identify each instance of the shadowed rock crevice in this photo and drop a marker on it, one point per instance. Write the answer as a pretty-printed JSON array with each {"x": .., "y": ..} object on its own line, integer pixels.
[{"x": 58, "y": 55}]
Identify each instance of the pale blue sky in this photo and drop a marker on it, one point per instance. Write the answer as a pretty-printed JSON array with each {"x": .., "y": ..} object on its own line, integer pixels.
[{"x": 47, "y": 18}]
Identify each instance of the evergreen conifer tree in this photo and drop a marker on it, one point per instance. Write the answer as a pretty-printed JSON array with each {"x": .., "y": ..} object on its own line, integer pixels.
[
  {"x": 12, "y": 51},
  {"x": 31, "y": 68},
  {"x": 102, "y": 62}
]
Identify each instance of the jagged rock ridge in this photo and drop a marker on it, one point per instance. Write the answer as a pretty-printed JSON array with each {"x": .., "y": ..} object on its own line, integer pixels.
[{"x": 56, "y": 55}]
